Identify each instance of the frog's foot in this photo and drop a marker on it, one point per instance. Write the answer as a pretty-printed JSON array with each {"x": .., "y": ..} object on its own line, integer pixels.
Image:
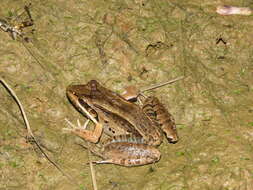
[
  {"x": 81, "y": 131},
  {"x": 129, "y": 154}
]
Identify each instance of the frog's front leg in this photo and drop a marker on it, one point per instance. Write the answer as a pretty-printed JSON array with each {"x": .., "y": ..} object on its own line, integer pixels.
[
  {"x": 91, "y": 136},
  {"x": 81, "y": 131}
]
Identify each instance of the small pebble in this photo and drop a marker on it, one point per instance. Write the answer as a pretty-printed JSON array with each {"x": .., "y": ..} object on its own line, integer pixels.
[{"x": 231, "y": 10}]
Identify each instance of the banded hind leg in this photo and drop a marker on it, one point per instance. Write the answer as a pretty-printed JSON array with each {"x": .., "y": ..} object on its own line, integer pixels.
[
  {"x": 156, "y": 111},
  {"x": 128, "y": 150}
]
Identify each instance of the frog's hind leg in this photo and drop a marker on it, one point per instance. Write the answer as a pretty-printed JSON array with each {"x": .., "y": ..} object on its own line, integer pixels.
[
  {"x": 156, "y": 111},
  {"x": 129, "y": 152}
]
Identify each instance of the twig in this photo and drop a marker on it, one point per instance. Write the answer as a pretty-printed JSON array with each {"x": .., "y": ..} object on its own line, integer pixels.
[
  {"x": 30, "y": 133},
  {"x": 161, "y": 84},
  {"x": 23, "y": 11},
  {"x": 32, "y": 54},
  {"x": 93, "y": 176},
  {"x": 131, "y": 92},
  {"x": 19, "y": 105}
]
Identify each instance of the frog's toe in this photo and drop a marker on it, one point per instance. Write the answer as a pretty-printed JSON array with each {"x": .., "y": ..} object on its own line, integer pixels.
[
  {"x": 78, "y": 126},
  {"x": 70, "y": 124},
  {"x": 108, "y": 161}
]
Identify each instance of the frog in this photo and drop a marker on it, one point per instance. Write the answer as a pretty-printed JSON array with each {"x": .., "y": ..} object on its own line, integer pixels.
[{"x": 135, "y": 131}]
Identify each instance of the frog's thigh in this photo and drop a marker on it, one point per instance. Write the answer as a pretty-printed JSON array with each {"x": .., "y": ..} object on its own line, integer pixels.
[{"x": 130, "y": 154}]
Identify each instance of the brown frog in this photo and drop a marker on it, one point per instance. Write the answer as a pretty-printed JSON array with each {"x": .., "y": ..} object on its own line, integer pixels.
[{"x": 135, "y": 130}]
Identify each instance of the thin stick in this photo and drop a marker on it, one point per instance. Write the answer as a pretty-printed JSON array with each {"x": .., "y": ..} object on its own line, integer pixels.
[
  {"x": 32, "y": 54},
  {"x": 20, "y": 107},
  {"x": 23, "y": 11},
  {"x": 162, "y": 84},
  {"x": 30, "y": 133},
  {"x": 27, "y": 9},
  {"x": 92, "y": 170}
]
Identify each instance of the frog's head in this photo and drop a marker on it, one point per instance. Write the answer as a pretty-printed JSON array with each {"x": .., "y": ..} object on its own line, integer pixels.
[{"x": 82, "y": 95}]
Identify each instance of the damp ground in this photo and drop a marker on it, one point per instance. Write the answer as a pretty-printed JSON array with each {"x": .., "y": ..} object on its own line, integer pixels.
[{"x": 122, "y": 43}]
